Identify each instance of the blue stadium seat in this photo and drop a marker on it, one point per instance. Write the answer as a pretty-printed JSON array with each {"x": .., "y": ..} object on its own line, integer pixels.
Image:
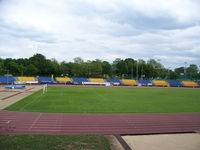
[
  {"x": 40, "y": 79},
  {"x": 79, "y": 80},
  {"x": 198, "y": 82},
  {"x": 145, "y": 82},
  {"x": 114, "y": 81},
  {"x": 8, "y": 79},
  {"x": 175, "y": 83}
]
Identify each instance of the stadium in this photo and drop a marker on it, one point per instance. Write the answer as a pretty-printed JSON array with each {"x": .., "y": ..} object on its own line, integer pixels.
[
  {"x": 97, "y": 106},
  {"x": 99, "y": 75}
]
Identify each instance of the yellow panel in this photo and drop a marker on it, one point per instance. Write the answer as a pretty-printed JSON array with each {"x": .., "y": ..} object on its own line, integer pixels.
[
  {"x": 189, "y": 83},
  {"x": 65, "y": 79},
  {"x": 26, "y": 78},
  {"x": 160, "y": 83},
  {"x": 96, "y": 80},
  {"x": 129, "y": 82}
]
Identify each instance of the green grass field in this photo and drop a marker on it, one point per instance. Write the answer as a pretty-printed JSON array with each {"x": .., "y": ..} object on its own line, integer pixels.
[
  {"x": 110, "y": 100},
  {"x": 54, "y": 142}
]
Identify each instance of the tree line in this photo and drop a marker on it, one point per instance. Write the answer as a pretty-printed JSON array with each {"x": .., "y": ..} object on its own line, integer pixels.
[{"x": 39, "y": 65}]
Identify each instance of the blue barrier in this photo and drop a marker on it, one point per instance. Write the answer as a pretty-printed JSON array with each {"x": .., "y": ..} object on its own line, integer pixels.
[
  {"x": 46, "y": 82},
  {"x": 15, "y": 86},
  {"x": 68, "y": 83}
]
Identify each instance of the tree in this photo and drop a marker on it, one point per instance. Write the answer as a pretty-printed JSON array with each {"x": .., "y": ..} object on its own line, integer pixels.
[
  {"x": 39, "y": 65},
  {"x": 78, "y": 60},
  {"x": 53, "y": 67},
  {"x": 106, "y": 68},
  {"x": 120, "y": 67},
  {"x": 179, "y": 70},
  {"x": 149, "y": 71},
  {"x": 131, "y": 66},
  {"x": 31, "y": 70},
  {"x": 22, "y": 69},
  {"x": 63, "y": 68},
  {"x": 173, "y": 75},
  {"x": 40, "y": 62},
  {"x": 157, "y": 67},
  {"x": 142, "y": 68},
  {"x": 13, "y": 68},
  {"x": 1, "y": 66},
  {"x": 96, "y": 68},
  {"x": 192, "y": 69}
]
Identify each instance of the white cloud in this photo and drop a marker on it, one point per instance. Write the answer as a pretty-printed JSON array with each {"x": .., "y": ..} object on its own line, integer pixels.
[{"x": 102, "y": 29}]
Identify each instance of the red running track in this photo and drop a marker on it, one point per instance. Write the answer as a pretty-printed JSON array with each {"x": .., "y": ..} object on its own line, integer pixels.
[{"x": 45, "y": 123}]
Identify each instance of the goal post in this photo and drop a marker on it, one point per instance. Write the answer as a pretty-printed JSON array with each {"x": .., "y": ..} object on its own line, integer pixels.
[{"x": 44, "y": 88}]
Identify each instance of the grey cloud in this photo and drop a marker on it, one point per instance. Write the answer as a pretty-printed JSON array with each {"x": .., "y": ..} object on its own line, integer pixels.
[{"x": 95, "y": 29}]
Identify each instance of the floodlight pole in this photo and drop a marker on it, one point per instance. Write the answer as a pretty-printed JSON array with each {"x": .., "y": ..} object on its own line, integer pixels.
[
  {"x": 137, "y": 71},
  {"x": 185, "y": 69},
  {"x": 131, "y": 70},
  {"x": 7, "y": 75},
  {"x": 142, "y": 72},
  {"x": 159, "y": 67},
  {"x": 169, "y": 72}
]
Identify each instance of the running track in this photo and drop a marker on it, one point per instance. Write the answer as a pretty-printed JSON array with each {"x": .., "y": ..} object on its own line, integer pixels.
[{"x": 45, "y": 123}]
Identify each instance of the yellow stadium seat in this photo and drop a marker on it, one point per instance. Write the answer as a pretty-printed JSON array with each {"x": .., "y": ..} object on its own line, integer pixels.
[
  {"x": 96, "y": 80},
  {"x": 63, "y": 79},
  {"x": 189, "y": 83},
  {"x": 129, "y": 82},
  {"x": 160, "y": 83},
  {"x": 26, "y": 78}
]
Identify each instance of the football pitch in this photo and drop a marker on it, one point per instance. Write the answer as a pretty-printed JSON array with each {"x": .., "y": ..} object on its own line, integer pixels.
[{"x": 110, "y": 100}]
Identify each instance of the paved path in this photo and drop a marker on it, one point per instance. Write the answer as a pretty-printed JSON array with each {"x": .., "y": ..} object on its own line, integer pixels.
[
  {"x": 11, "y": 96},
  {"x": 44, "y": 123}
]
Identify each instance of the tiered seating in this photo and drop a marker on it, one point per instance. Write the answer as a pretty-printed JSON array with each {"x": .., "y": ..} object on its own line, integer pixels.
[
  {"x": 189, "y": 84},
  {"x": 145, "y": 82},
  {"x": 129, "y": 82},
  {"x": 26, "y": 79},
  {"x": 96, "y": 80},
  {"x": 114, "y": 81},
  {"x": 160, "y": 83},
  {"x": 79, "y": 80},
  {"x": 44, "y": 79},
  {"x": 63, "y": 79},
  {"x": 175, "y": 83},
  {"x": 8, "y": 79},
  {"x": 198, "y": 82}
]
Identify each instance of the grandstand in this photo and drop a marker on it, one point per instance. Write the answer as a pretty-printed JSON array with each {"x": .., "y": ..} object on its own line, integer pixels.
[
  {"x": 8, "y": 79},
  {"x": 189, "y": 84},
  {"x": 175, "y": 83},
  {"x": 114, "y": 81},
  {"x": 129, "y": 82},
  {"x": 96, "y": 80},
  {"x": 79, "y": 80},
  {"x": 63, "y": 79},
  {"x": 26, "y": 79},
  {"x": 145, "y": 82},
  {"x": 160, "y": 83},
  {"x": 44, "y": 79}
]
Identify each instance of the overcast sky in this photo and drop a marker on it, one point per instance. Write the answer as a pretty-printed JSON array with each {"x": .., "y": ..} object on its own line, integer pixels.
[{"x": 104, "y": 29}]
